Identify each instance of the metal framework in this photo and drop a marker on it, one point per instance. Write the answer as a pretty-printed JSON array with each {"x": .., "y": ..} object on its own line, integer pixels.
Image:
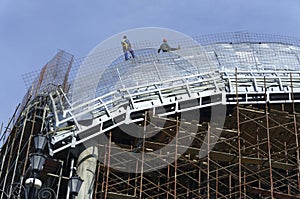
[{"x": 255, "y": 154}]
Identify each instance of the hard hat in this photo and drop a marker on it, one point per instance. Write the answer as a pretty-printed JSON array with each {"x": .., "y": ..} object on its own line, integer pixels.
[{"x": 164, "y": 40}]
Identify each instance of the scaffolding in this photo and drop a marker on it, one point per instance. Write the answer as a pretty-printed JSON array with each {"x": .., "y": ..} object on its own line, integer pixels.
[
  {"x": 254, "y": 154},
  {"x": 246, "y": 162}
]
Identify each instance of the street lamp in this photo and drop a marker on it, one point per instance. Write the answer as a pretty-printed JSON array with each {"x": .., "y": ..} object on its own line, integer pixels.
[
  {"x": 74, "y": 184},
  {"x": 37, "y": 161},
  {"x": 40, "y": 142}
]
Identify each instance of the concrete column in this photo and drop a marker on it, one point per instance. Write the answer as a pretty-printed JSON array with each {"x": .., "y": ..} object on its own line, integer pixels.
[{"x": 86, "y": 168}]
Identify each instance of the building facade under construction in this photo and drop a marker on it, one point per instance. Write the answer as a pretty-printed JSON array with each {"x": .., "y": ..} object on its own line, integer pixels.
[{"x": 217, "y": 118}]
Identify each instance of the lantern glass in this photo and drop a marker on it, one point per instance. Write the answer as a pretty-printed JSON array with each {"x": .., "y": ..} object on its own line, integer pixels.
[
  {"x": 37, "y": 161},
  {"x": 40, "y": 142},
  {"x": 74, "y": 184}
]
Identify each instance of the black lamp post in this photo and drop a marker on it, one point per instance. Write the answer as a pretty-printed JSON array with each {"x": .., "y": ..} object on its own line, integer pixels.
[
  {"x": 37, "y": 161},
  {"x": 74, "y": 184}
]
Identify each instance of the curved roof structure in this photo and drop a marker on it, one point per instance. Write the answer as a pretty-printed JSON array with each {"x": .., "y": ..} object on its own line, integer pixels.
[
  {"x": 209, "y": 62},
  {"x": 208, "y": 53},
  {"x": 150, "y": 67}
]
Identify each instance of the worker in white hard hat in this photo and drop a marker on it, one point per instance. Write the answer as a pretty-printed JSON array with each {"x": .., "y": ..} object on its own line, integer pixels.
[
  {"x": 127, "y": 47},
  {"x": 165, "y": 47}
]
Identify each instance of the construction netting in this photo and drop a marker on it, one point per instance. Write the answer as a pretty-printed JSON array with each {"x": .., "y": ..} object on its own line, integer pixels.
[{"x": 94, "y": 75}]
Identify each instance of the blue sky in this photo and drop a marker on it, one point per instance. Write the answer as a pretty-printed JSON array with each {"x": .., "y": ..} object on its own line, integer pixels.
[{"x": 32, "y": 31}]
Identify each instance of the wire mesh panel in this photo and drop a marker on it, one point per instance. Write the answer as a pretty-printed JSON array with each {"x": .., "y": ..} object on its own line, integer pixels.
[{"x": 106, "y": 71}]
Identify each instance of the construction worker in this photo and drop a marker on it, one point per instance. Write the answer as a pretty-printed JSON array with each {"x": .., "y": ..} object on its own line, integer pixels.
[
  {"x": 165, "y": 47},
  {"x": 127, "y": 48}
]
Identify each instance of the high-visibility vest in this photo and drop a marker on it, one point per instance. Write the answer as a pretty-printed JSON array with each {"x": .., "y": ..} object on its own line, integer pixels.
[{"x": 124, "y": 44}]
